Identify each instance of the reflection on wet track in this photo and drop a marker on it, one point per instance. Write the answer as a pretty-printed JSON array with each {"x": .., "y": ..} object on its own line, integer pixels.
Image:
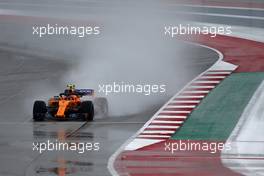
[
  {"x": 18, "y": 132},
  {"x": 25, "y": 77}
]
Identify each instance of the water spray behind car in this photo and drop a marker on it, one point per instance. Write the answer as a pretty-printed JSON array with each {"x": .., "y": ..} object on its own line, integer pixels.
[{"x": 131, "y": 48}]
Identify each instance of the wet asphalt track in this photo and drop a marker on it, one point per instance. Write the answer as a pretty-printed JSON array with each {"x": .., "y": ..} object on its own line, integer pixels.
[
  {"x": 218, "y": 15},
  {"x": 21, "y": 74}
]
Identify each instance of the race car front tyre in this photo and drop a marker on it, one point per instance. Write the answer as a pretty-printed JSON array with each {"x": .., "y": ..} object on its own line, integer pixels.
[
  {"x": 39, "y": 110},
  {"x": 87, "y": 111}
]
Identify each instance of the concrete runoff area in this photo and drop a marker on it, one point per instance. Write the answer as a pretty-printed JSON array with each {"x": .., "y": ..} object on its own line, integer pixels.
[{"x": 247, "y": 139}]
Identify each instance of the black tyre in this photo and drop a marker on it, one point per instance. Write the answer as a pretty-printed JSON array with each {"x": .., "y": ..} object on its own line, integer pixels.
[
  {"x": 39, "y": 111},
  {"x": 87, "y": 111}
]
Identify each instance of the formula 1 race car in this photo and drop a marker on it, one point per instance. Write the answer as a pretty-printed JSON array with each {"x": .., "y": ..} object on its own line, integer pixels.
[{"x": 67, "y": 106}]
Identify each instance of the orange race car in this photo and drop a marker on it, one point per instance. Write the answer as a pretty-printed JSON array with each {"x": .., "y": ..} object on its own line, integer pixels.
[{"x": 68, "y": 105}]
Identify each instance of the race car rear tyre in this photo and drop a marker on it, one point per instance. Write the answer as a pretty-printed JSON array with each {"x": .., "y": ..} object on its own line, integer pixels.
[
  {"x": 87, "y": 111},
  {"x": 39, "y": 111}
]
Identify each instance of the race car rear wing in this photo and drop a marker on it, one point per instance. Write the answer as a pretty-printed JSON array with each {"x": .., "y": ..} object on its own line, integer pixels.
[{"x": 84, "y": 92}]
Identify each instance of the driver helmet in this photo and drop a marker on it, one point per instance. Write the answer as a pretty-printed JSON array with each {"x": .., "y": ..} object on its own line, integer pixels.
[{"x": 70, "y": 87}]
